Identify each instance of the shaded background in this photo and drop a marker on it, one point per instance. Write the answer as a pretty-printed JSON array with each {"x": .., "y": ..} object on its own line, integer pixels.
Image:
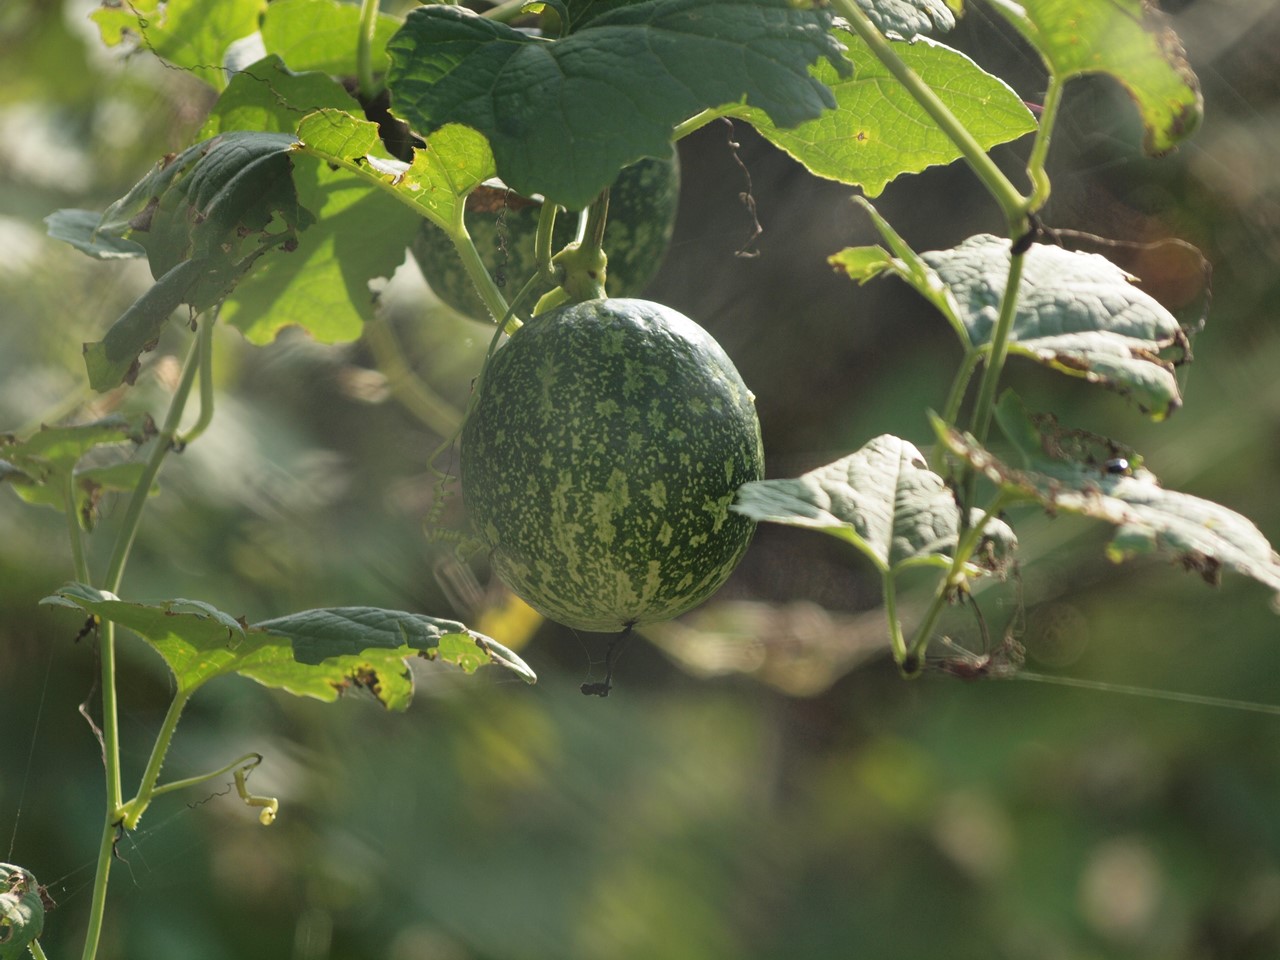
[{"x": 769, "y": 787}]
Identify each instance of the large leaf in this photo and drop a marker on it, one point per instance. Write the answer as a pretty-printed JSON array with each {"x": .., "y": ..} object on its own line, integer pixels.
[
  {"x": 358, "y": 234},
  {"x": 1127, "y": 39},
  {"x": 315, "y": 653},
  {"x": 564, "y": 116},
  {"x": 191, "y": 34},
  {"x": 1071, "y": 471},
  {"x": 40, "y": 467},
  {"x": 878, "y": 130},
  {"x": 21, "y": 911},
  {"x": 883, "y": 499},
  {"x": 320, "y": 35},
  {"x": 1078, "y": 313}
]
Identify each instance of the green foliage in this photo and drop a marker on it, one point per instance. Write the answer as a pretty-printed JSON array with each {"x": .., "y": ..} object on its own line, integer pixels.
[
  {"x": 1127, "y": 39},
  {"x": 1076, "y": 472},
  {"x": 318, "y": 35},
  {"x": 190, "y": 34},
  {"x": 629, "y": 75},
  {"x": 879, "y": 132},
  {"x": 46, "y": 468},
  {"x": 885, "y": 501},
  {"x": 314, "y": 653}
]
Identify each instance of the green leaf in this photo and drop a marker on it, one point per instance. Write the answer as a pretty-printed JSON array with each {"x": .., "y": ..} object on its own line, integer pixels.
[
  {"x": 271, "y": 98},
  {"x": 316, "y": 653},
  {"x": 321, "y": 35},
  {"x": 39, "y": 467},
  {"x": 454, "y": 161},
  {"x": 878, "y": 131},
  {"x": 564, "y": 117},
  {"x": 21, "y": 911},
  {"x": 1078, "y": 313},
  {"x": 907, "y": 18},
  {"x": 205, "y": 218},
  {"x": 190, "y": 34},
  {"x": 1067, "y": 470},
  {"x": 359, "y": 232},
  {"x": 1127, "y": 39},
  {"x": 83, "y": 230},
  {"x": 883, "y": 499}
]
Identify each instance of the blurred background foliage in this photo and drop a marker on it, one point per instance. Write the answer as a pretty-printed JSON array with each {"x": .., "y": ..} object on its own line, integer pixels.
[{"x": 761, "y": 783}]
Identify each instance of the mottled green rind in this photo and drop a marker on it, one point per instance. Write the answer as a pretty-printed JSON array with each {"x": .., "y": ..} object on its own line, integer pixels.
[
  {"x": 642, "y": 214},
  {"x": 606, "y": 445}
]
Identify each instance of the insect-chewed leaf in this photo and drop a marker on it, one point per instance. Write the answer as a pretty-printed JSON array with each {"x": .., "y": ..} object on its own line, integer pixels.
[
  {"x": 21, "y": 911},
  {"x": 629, "y": 75},
  {"x": 1128, "y": 39},
  {"x": 204, "y": 217},
  {"x": 883, "y": 499},
  {"x": 878, "y": 131},
  {"x": 1076, "y": 472},
  {"x": 316, "y": 653},
  {"x": 39, "y": 467}
]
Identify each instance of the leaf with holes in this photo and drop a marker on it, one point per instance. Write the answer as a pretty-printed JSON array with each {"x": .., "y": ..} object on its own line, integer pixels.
[
  {"x": 41, "y": 467},
  {"x": 1071, "y": 471},
  {"x": 565, "y": 116},
  {"x": 884, "y": 500},
  {"x": 315, "y": 653}
]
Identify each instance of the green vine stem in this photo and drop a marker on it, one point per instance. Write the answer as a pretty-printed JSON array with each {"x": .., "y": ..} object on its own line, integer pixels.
[
  {"x": 79, "y": 563},
  {"x": 1005, "y": 193},
  {"x": 960, "y": 386},
  {"x": 164, "y": 441},
  {"x": 999, "y": 351},
  {"x": 408, "y": 388},
  {"x": 204, "y": 337},
  {"x": 698, "y": 121},
  {"x": 132, "y": 811},
  {"x": 912, "y": 661},
  {"x": 36, "y": 950},
  {"x": 369, "y": 88},
  {"x": 1040, "y": 148},
  {"x": 479, "y": 274},
  {"x": 896, "y": 638}
]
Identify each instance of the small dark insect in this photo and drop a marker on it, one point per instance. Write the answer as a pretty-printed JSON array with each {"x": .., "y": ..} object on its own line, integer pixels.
[{"x": 1118, "y": 466}]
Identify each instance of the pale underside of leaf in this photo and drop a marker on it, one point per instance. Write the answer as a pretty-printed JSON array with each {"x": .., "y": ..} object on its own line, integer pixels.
[
  {"x": 1198, "y": 534},
  {"x": 1078, "y": 313},
  {"x": 883, "y": 499},
  {"x": 906, "y": 18}
]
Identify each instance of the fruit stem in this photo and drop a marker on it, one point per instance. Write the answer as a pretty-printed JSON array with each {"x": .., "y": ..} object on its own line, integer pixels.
[{"x": 542, "y": 241}]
